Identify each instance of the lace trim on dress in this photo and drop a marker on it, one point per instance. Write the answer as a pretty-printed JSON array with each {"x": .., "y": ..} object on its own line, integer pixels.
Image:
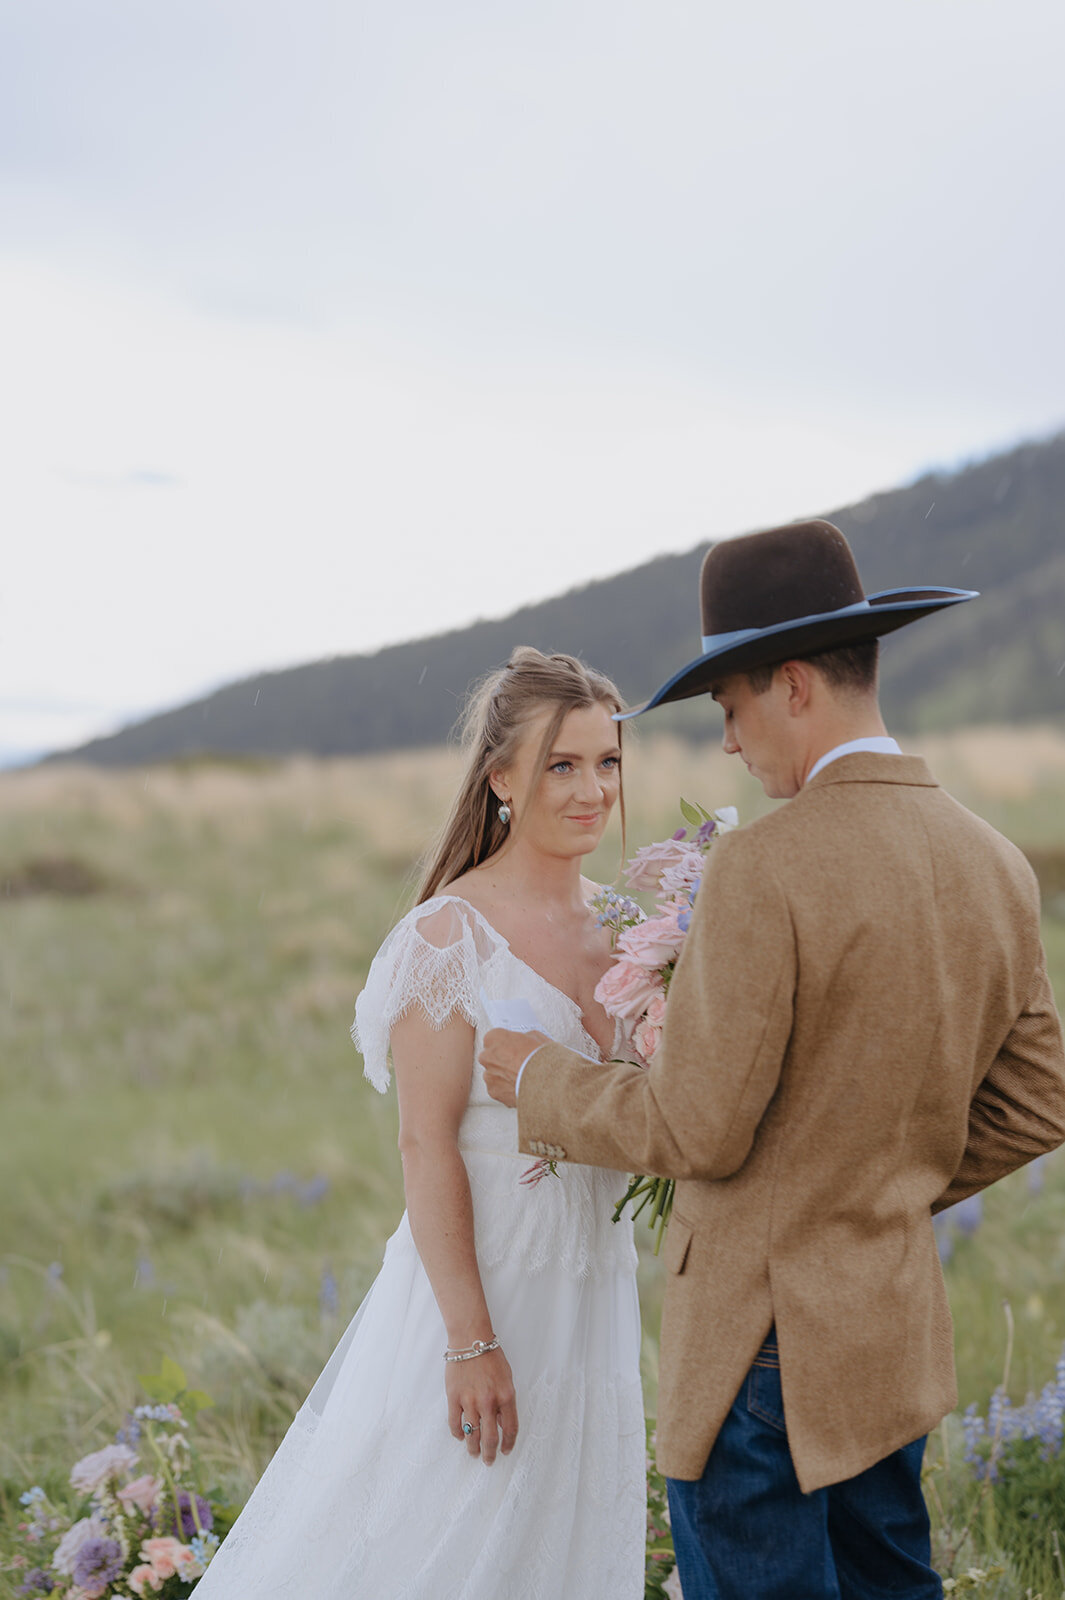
[{"x": 431, "y": 960}]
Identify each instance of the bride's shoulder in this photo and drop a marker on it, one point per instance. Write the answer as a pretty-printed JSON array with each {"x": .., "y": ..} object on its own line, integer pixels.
[{"x": 446, "y": 918}]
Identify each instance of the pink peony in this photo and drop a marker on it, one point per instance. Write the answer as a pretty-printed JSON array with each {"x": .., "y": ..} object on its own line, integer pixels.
[
  {"x": 655, "y": 942},
  {"x": 93, "y": 1471},
  {"x": 167, "y": 1555},
  {"x": 625, "y": 989},
  {"x": 143, "y": 1493},
  {"x": 647, "y": 865},
  {"x": 142, "y": 1575}
]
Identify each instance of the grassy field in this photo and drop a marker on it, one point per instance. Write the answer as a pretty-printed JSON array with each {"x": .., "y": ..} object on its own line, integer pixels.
[{"x": 192, "y": 1163}]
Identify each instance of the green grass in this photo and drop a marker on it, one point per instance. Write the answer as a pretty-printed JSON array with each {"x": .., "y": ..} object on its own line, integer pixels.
[{"x": 189, "y": 1152}]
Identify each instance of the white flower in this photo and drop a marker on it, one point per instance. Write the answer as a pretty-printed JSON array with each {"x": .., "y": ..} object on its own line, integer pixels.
[
  {"x": 727, "y": 817},
  {"x": 72, "y": 1541},
  {"x": 93, "y": 1471}
]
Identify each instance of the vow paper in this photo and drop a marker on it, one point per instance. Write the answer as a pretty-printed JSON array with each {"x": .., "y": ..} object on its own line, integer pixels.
[{"x": 516, "y": 1014}]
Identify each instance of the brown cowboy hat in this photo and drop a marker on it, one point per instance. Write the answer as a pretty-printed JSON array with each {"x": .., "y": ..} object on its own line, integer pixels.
[{"x": 789, "y": 592}]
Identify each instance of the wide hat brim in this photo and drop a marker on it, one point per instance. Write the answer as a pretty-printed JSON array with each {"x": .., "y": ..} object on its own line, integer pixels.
[{"x": 875, "y": 616}]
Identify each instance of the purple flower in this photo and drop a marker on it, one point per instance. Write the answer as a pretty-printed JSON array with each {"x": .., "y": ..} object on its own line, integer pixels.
[
  {"x": 166, "y": 1522},
  {"x": 969, "y": 1213},
  {"x": 706, "y": 832},
  {"x": 328, "y": 1296},
  {"x": 681, "y": 833},
  {"x": 684, "y": 921},
  {"x": 36, "y": 1581},
  {"x": 98, "y": 1563}
]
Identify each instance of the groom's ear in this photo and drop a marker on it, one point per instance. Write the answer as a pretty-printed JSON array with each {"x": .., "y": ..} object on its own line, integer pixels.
[{"x": 796, "y": 678}]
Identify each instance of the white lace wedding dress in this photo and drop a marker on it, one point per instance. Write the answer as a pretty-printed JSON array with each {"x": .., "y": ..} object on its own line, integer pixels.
[{"x": 368, "y": 1496}]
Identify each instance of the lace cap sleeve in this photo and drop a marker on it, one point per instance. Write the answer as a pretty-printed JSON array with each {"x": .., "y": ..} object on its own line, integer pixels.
[{"x": 431, "y": 960}]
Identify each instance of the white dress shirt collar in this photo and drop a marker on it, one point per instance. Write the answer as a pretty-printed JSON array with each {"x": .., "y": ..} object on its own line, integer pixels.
[{"x": 880, "y": 744}]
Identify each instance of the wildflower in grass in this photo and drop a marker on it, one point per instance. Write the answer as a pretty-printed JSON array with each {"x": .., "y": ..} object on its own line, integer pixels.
[
  {"x": 36, "y": 1581},
  {"x": 328, "y": 1295},
  {"x": 969, "y": 1214},
  {"x": 97, "y": 1564}
]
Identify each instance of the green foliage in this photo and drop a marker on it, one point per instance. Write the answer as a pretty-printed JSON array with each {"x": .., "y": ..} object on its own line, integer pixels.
[
  {"x": 660, "y": 1557},
  {"x": 168, "y": 1386}
]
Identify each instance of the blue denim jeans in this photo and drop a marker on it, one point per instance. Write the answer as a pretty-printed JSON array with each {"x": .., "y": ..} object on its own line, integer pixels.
[{"x": 746, "y": 1531}]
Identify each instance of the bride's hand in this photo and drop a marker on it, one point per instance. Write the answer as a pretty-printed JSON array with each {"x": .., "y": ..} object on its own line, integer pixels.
[{"x": 481, "y": 1392}]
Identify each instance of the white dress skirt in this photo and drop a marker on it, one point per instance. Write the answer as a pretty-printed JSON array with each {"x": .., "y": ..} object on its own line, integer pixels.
[{"x": 369, "y": 1497}]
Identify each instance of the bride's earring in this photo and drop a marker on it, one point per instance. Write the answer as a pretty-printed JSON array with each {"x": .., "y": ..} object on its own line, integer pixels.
[{"x": 504, "y": 813}]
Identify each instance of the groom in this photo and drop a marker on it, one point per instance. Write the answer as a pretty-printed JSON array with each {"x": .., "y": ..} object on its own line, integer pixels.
[{"x": 860, "y": 1033}]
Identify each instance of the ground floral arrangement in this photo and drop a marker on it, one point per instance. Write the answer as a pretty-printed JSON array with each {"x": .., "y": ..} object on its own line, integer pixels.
[
  {"x": 646, "y": 951},
  {"x": 136, "y": 1522}
]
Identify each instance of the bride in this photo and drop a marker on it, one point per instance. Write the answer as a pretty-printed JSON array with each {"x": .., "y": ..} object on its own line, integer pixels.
[{"x": 511, "y": 1467}]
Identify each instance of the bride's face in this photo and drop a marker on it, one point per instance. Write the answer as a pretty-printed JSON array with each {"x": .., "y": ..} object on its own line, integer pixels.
[{"x": 563, "y": 809}]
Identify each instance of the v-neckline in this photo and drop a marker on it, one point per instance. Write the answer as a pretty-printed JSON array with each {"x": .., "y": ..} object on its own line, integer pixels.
[{"x": 568, "y": 998}]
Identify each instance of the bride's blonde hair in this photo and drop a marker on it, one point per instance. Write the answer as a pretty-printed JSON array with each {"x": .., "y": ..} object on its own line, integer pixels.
[{"x": 493, "y": 725}]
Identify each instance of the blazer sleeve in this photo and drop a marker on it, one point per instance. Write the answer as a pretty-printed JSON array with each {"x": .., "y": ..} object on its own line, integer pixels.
[
  {"x": 1018, "y": 1112},
  {"x": 695, "y": 1112}
]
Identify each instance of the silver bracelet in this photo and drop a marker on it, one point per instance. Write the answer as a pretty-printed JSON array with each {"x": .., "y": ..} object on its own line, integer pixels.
[{"x": 478, "y": 1348}]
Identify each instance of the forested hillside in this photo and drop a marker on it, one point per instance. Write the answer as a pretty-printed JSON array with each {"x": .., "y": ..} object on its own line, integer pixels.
[{"x": 997, "y": 526}]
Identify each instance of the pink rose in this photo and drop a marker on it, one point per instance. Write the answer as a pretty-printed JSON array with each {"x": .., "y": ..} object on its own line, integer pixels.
[
  {"x": 681, "y": 881},
  {"x": 166, "y": 1555},
  {"x": 647, "y": 1035},
  {"x": 143, "y": 1493},
  {"x": 655, "y": 942},
  {"x": 625, "y": 989},
  {"x": 647, "y": 865},
  {"x": 142, "y": 1575}
]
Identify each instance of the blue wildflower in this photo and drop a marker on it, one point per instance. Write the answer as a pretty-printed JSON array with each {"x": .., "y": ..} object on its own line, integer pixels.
[
  {"x": 32, "y": 1496},
  {"x": 203, "y": 1547}
]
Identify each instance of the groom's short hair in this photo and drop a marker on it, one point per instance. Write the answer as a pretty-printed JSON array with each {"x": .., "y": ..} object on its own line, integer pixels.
[{"x": 850, "y": 667}]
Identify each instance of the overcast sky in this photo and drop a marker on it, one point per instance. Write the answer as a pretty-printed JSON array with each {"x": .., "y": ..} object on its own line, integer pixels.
[{"x": 329, "y": 324}]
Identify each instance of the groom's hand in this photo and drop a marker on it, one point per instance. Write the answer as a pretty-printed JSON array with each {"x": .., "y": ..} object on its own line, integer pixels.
[{"x": 502, "y": 1058}]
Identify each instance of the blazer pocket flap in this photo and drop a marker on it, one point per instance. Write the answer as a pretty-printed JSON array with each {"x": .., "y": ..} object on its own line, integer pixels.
[{"x": 678, "y": 1242}]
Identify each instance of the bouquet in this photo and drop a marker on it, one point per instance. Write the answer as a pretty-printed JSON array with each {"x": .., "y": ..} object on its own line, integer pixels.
[
  {"x": 139, "y": 1525},
  {"x": 646, "y": 949}
]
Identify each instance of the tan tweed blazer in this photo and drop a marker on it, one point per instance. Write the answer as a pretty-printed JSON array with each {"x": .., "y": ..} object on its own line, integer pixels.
[{"x": 860, "y": 1032}]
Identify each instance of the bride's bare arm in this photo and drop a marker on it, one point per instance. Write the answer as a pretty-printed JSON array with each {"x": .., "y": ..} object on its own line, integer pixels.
[{"x": 433, "y": 1069}]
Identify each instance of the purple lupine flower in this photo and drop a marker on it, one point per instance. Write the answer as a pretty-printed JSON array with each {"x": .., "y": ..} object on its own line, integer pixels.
[
  {"x": 36, "y": 1581},
  {"x": 97, "y": 1563},
  {"x": 969, "y": 1213},
  {"x": 328, "y": 1296},
  {"x": 944, "y": 1236},
  {"x": 313, "y": 1190}
]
